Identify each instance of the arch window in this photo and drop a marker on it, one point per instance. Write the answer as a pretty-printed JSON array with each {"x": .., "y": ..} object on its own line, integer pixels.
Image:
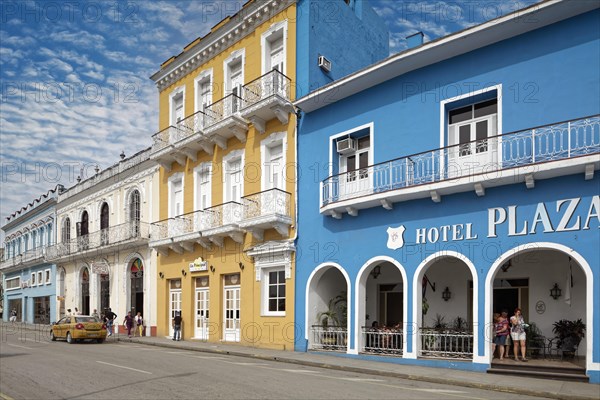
[{"x": 65, "y": 235}]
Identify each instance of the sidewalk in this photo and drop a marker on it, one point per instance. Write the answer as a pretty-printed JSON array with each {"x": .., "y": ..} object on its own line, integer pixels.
[{"x": 527, "y": 386}]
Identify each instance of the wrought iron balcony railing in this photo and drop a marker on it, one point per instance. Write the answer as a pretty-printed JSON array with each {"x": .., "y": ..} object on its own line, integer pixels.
[
  {"x": 332, "y": 338},
  {"x": 382, "y": 340},
  {"x": 265, "y": 203},
  {"x": 273, "y": 83},
  {"x": 222, "y": 109},
  {"x": 221, "y": 215},
  {"x": 191, "y": 125},
  {"x": 561, "y": 141},
  {"x": 445, "y": 344},
  {"x": 28, "y": 256},
  {"x": 177, "y": 226},
  {"x": 113, "y": 235},
  {"x": 168, "y": 136}
]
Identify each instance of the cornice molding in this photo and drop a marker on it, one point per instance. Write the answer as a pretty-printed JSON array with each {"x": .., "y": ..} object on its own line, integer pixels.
[{"x": 240, "y": 25}]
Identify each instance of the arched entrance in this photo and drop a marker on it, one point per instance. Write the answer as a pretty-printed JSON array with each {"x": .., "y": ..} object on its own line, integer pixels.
[
  {"x": 137, "y": 286},
  {"x": 445, "y": 308},
  {"x": 552, "y": 285},
  {"x": 328, "y": 308},
  {"x": 85, "y": 291},
  {"x": 381, "y": 307}
]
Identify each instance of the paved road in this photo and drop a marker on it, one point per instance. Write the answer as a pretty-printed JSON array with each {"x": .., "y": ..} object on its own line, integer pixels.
[{"x": 40, "y": 369}]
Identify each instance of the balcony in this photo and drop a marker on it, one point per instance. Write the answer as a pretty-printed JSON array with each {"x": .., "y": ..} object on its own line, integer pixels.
[
  {"x": 178, "y": 233},
  {"x": 266, "y": 98},
  {"x": 223, "y": 221},
  {"x": 269, "y": 209},
  {"x": 163, "y": 149},
  {"x": 104, "y": 240},
  {"x": 24, "y": 260},
  {"x": 560, "y": 149},
  {"x": 223, "y": 121}
]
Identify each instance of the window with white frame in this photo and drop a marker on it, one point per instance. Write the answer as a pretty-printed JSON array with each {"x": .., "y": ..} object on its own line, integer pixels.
[
  {"x": 234, "y": 80},
  {"x": 470, "y": 128},
  {"x": 13, "y": 283},
  {"x": 203, "y": 90},
  {"x": 234, "y": 179},
  {"x": 49, "y": 235},
  {"x": 273, "y": 48},
  {"x": 177, "y": 104},
  {"x": 48, "y": 276},
  {"x": 203, "y": 174},
  {"x": 273, "y": 161},
  {"x": 66, "y": 230},
  {"x": 273, "y": 291},
  {"x": 32, "y": 279},
  {"x": 40, "y": 277},
  {"x": 176, "y": 195}
]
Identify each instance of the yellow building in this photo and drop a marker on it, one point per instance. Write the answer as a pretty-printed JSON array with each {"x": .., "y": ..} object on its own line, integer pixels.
[{"x": 227, "y": 181}]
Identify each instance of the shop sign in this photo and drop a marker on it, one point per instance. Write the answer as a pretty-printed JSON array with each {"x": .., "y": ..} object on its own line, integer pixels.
[{"x": 198, "y": 265}]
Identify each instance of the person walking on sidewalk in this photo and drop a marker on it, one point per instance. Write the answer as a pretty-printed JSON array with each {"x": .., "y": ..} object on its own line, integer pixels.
[
  {"x": 128, "y": 323},
  {"x": 177, "y": 322},
  {"x": 110, "y": 319}
]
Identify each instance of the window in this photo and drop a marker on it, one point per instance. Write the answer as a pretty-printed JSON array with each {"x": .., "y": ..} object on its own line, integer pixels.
[
  {"x": 40, "y": 277},
  {"x": 357, "y": 160},
  {"x": 176, "y": 195},
  {"x": 49, "y": 235},
  {"x": 204, "y": 92},
  {"x": 177, "y": 105},
  {"x": 66, "y": 230},
  {"x": 134, "y": 206},
  {"x": 274, "y": 291},
  {"x": 13, "y": 283},
  {"x": 48, "y": 276},
  {"x": 32, "y": 281},
  {"x": 203, "y": 186},
  {"x": 234, "y": 180},
  {"x": 273, "y": 48},
  {"x": 234, "y": 79},
  {"x": 273, "y": 160}
]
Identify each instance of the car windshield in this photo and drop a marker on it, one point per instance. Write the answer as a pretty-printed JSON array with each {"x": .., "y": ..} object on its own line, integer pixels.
[{"x": 86, "y": 319}]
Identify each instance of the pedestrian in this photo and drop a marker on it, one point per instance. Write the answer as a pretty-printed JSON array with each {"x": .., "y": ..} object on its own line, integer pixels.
[
  {"x": 110, "y": 320},
  {"x": 95, "y": 314},
  {"x": 69, "y": 313},
  {"x": 13, "y": 315},
  {"x": 128, "y": 323},
  {"x": 77, "y": 311},
  {"x": 502, "y": 331},
  {"x": 177, "y": 322},
  {"x": 518, "y": 335},
  {"x": 139, "y": 322}
]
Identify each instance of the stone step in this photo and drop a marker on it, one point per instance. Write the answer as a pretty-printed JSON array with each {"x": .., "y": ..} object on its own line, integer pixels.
[{"x": 555, "y": 374}]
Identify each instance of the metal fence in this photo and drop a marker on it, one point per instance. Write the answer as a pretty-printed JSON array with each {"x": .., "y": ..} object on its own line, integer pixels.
[
  {"x": 331, "y": 338},
  {"x": 268, "y": 202},
  {"x": 382, "y": 340},
  {"x": 547, "y": 143},
  {"x": 222, "y": 109},
  {"x": 273, "y": 83},
  {"x": 445, "y": 344}
]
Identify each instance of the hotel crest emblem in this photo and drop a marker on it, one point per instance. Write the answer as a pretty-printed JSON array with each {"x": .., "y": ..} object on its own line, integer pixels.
[{"x": 395, "y": 237}]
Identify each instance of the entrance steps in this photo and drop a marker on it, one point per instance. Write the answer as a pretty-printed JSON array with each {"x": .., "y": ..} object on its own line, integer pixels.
[{"x": 535, "y": 370}]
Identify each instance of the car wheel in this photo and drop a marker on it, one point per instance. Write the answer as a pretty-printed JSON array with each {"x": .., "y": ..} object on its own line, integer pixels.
[
  {"x": 52, "y": 337},
  {"x": 100, "y": 340},
  {"x": 69, "y": 338}
]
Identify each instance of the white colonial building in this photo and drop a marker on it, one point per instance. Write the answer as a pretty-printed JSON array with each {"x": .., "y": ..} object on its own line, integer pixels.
[{"x": 102, "y": 254}]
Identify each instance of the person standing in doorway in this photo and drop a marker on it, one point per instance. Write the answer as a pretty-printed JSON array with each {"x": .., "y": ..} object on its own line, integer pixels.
[
  {"x": 177, "y": 322},
  {"x": 518, "y": 335},
  {"x": 128, "y": 323},
  {"x": 95, "y": 314},
  {"x": 110, "y": 319},
  {"x": 139, "y": 323},
  {"x": 502, "y": 332},
  {"x": 13, "y": 315}
]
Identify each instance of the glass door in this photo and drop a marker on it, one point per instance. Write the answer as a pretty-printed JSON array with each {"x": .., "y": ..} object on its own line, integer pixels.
[
  {"x": 174, "y": 305},
  {"x": 202, "y": 314},
  {"x": 231, "y": 313}
]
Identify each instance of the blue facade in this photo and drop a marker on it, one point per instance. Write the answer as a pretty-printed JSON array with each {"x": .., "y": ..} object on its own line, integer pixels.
[
  {"x": 29, "y": 281},
  {"x": 321, "y": 24},
  {"x": 422, "y": 214}
]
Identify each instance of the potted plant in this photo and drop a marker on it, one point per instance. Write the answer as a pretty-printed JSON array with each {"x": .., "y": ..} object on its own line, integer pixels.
[
  {"x": 569, "y": 331},
  {"x": 335, "y": 315},
  {"x": 535, "y": 340}
]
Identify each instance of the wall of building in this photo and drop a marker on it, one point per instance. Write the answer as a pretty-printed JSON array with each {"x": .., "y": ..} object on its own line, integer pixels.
[{"x": 323, "y": 25}]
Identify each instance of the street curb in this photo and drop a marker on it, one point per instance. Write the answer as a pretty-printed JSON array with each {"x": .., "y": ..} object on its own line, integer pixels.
[{"x": 368, "y": 371}]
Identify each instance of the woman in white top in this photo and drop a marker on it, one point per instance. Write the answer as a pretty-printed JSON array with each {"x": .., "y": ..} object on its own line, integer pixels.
[{"x": 517, "y": 334}]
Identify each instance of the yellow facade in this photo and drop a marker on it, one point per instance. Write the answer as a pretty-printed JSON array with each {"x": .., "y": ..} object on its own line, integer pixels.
[{"x": 255, "y": 329}]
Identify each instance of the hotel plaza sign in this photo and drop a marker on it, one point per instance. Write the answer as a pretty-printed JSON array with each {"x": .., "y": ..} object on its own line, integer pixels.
[{"x": 564, "y": 216}]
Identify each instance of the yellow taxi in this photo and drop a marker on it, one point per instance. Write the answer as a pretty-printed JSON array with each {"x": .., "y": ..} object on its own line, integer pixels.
[{"x": 78, "y": 327}]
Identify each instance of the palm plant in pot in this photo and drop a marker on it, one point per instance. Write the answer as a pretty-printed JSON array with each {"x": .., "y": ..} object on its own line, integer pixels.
[{"x": 571, "y": 331}]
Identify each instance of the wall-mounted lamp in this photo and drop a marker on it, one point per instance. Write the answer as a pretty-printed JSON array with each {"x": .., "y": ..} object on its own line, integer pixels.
[
  {"x": 446, "y": 294},
  {"x": 506, "y": 266},
  {"x": 241, "y": 266},
  {"x": 183, "y": 272},
  {"x": 555, "y": 292},
  {"x": 162, "y": 276},
  {"x": 212, "y": 269},
  {"x": 376, "y": 271}
]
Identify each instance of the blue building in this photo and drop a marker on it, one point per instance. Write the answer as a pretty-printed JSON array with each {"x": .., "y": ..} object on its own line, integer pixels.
[
  {"x": 28, "y": 280},
  {"x": 452, "y": 181}
]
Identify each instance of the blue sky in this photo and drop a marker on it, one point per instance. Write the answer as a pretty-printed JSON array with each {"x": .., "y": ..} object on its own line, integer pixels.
[{"x": 74, "y": 75}]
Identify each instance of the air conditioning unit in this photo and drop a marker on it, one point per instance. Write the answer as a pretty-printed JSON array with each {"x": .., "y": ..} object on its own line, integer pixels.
[
  {"x": 324, "y": 64},
  {"x": 345, "y": 146}
]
